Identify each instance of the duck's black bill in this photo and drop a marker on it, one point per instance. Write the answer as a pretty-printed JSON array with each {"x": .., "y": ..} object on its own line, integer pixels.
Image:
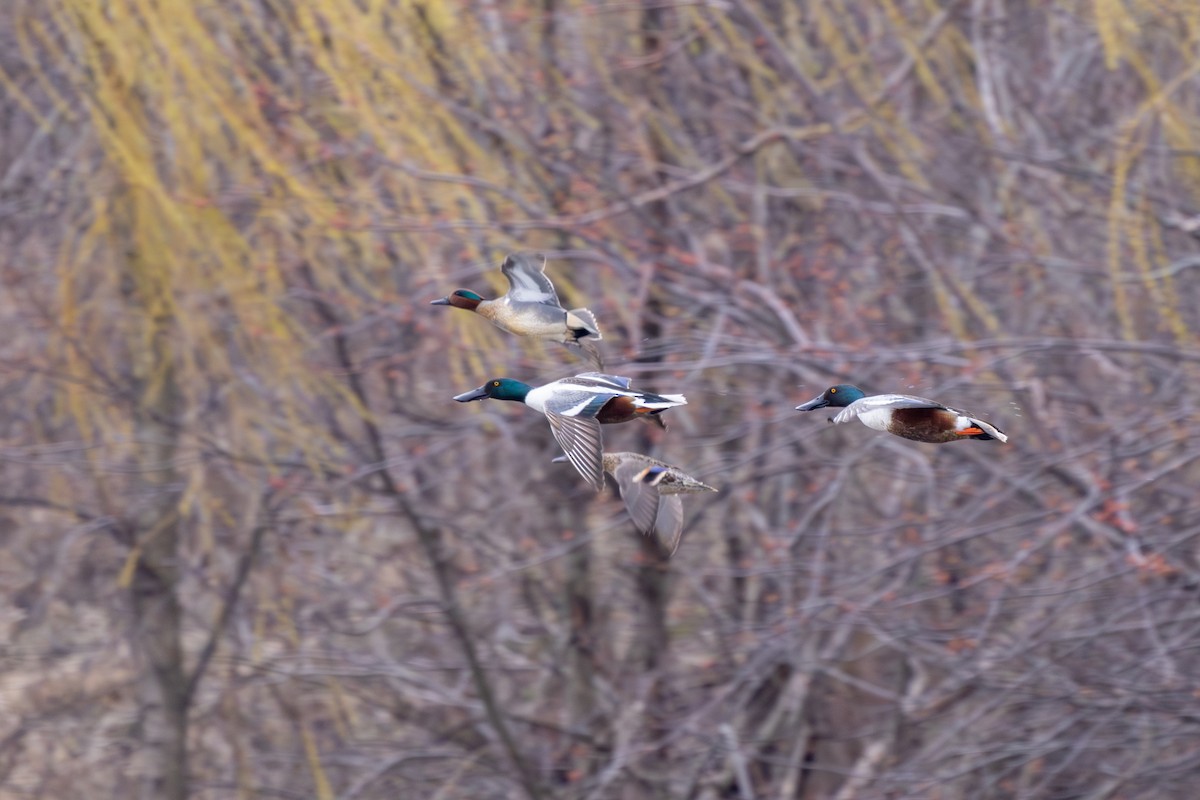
[
  {"x": 474, "y": 394},
  {"x": 814, "y": 404},
  {"x": 441, "y": 301}
]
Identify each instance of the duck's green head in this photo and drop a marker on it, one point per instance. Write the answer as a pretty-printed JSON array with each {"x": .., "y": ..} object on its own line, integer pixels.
[
  {"x": 841, "y": 395},
  {"x": 459, "y": 298},
  {"x": 497, "y": 389}
]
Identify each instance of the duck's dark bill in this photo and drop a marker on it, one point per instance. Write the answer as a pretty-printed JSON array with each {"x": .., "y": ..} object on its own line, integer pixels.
[
  {"x": 441, "y": 301},
  {"x": 474, "y": 394},
  {"x": 815, "y": 403}
]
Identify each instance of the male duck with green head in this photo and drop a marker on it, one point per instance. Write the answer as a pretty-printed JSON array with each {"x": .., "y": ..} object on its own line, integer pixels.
[
  {"x": 531, "y": 308},
  {"x": 576, "y": 407},
  {"x": 911, "y": 417}
]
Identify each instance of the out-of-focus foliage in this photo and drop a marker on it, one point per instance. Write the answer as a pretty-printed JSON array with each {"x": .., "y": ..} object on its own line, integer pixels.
[{"x": 234, "y": 483}]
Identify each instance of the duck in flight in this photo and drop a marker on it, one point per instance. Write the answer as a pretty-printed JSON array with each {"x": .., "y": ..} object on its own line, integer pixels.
[
  {"x": 577, "y": 407},
  {"x": 531, "y": 308},
  {"x": 651, "y": 489},
  {"x": 904, "y": 415}
]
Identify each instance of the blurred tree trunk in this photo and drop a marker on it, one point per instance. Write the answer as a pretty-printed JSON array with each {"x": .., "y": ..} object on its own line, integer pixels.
[
  {"x": 651, "y": 579},
  {"x": 155, "y": 526},
  {"x": 652, "y": 576},
  {"x": 582, "y": 654}
]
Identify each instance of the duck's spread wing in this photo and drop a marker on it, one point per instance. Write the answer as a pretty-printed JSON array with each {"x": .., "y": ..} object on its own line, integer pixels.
[
  {"x": 642, "y": 500},
  {"x": 602, "y": 380},
  {"x": 669, "y": 524},
  {"x": 881, "y": 402},
  {"x": 527, "y": 280},
  {"x": 579, "y": 437},
  {"x": 652, "y": 510},
  {"x": 571, "y": 400}
]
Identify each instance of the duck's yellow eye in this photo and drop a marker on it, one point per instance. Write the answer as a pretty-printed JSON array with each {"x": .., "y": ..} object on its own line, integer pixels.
[
  {"x": 833, "y": 390},
  {"x": 495, "y": 383}
]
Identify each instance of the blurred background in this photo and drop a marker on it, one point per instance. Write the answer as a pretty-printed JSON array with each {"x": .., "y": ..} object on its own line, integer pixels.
[{"x": 250, "y": 548}]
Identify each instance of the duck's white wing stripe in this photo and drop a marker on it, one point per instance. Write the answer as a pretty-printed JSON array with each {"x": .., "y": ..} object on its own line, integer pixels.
[
  {"x": 580, "y": 403},
  {"x": 630, "y": 466},
  {"x": 579, "y": 437},
  {"x": 581, "y": 408},
  {"x": 527, "y": 281}
]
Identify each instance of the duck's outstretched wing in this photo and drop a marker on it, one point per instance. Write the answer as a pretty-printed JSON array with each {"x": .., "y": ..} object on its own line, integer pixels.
[
  {"x": 590, "y": 351},
  {"x": 668, "y": 524},
  {"x": 579, "y": 437},
  {"x": 883, "y": 402},
  {"x": 652, "y": 512},
  {"x": 601, "y": 380},
  {"x": 527, "y": 280},
  {"x": 641, "y": 500}
]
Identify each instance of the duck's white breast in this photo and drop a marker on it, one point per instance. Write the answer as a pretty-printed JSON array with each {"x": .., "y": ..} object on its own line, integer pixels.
[
  {"x": 875, "y": 417},
  {"x": 537, "y": 397}
]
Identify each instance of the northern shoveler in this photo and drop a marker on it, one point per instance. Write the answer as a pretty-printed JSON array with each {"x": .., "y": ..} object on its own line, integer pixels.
[
  {"x": 531, "y": 308},
  {"x": 911, "y": 417},
  {"x": 576, "y": 407},
  {"x": 651, "y": 489}
]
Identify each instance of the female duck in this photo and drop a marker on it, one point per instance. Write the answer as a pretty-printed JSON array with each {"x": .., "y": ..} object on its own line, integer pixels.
[
  {"x": 651, "y": 489},
  {"x": 531, "y": 308},
  {"x": 577, "y": 407},
  {"x": 911, "y": 417}
]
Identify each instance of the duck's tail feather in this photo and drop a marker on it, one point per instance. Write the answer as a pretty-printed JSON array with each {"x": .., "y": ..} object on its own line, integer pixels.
[
  {"x": 660, "y": 401},
  {"x": 582, "y": 323},
  {"x": 984, "y": 430}
]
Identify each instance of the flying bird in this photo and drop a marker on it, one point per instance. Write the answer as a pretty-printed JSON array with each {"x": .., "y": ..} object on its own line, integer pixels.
[
  {"x": 911, "y": 417},
  {"x": 577, "y": 407},
  {"x": 531, "y": 309},
  {"x": 651, "y": 489}
]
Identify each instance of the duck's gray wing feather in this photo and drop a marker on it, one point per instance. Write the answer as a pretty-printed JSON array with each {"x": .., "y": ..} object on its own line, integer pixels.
[
  {"x": 603, "y": 380},
  {"x": 579, "y": 437},
  {"x": 527, "y": 280},
  {"x": 877, "y": 402},
  {"x": 669, "y": 524},
  {"x": 591, "y": 351},
  {"x": 652, "y": 511},
  {"x": 642, "y": 500},
  {"x": 896, "y": 401},
  {"x": 580, "y": 403}
]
